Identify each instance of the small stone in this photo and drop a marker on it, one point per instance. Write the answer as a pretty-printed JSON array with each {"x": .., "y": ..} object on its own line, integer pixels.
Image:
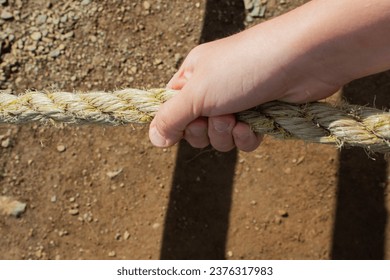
[
  {"x": 64, "y": 18},
  {"x": 74, "y": 212},
  {"x": 178, "y": 57},
  {"x": 157, "y": 61},
  {"x": 3, "y": 2},
  {"x": 134, "y": 69},
  {"x": 61, "y": 148},
  {"x": 287, "y": 170},
  {"x": 113, "y": 174},
  {"x": 283, "y": 213},
  {"x": 93, "y": 38},
  {"x": 31, "y": 48},
  {"x": 36, "y": 36},
  {"x": 38, "y": 253},
  {"x": 300, "y": 160},
  {"x": 85, "y": 2},
  {"x": 6, "y": 143},
  {"x": 55, "y": 53},
  {"x": 117, "y": 236},
  {"x": 41, "y": 19},
  {"x": 10, "y": 206},
  {"x": 229, "y": 254},
  {"x": 155, "y": 225},
  {"x": 126, "y": 235},
  {"x": 53, "y": 199},
  {"x": 111, "y": 254},
  {"x": 68, "y": 35},
  {"x": 6, "y": 15},
  {"x": 61, "y": 47},
  {"x": 62, "y": 233},
  {"x": 253, "y": 202},
  {"x": 146, "y": 5}
]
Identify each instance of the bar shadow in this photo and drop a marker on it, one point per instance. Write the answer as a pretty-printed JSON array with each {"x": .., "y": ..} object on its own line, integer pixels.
[
  {"x": 197, "y": 217},
  {"x": 361, "y": 216}
]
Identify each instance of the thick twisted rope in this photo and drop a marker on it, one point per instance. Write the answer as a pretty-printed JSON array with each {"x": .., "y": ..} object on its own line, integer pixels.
[{"x": 313, "y": 122}]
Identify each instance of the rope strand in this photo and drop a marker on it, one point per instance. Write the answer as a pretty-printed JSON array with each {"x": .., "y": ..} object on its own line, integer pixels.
[{"x": 316, "y": 122}]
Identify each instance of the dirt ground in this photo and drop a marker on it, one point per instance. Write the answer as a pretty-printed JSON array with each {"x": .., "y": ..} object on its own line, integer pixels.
[{"x": 97, "y": 192}]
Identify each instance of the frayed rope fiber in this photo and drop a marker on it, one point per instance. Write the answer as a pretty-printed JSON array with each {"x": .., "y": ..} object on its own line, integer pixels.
[{"x": 317, "y": 122}]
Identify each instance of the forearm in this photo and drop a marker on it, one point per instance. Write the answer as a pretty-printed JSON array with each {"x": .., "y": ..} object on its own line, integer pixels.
[
  {"x": 304, "y": 55},
  {"x": 353, "y": 36},
  {"x": 335, "y": 41}
]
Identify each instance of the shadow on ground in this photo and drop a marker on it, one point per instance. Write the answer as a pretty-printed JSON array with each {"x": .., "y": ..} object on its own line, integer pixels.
[
  {"x": 198, "y": 212},
  {"x": 361, "y": 217},
  {"x": 197, "y": 218}
]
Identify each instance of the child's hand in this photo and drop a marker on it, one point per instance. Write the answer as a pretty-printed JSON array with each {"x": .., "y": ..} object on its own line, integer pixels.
[{"x": 302, "y": 56}]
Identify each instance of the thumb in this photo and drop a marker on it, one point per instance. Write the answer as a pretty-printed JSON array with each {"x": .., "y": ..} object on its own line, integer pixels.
[{"x": 167, "y": 127}]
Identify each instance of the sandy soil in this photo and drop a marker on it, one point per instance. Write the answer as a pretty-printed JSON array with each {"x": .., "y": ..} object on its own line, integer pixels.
[{"x": 105, "y": 193}]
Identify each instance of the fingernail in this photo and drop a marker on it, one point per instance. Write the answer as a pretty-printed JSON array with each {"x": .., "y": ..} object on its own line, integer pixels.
[
  {"x": 242, "y": 136},
  {"x": 220, "y": 126},
  {"x": 197, "y": 131},
  {"x": 156, "y": 138}
]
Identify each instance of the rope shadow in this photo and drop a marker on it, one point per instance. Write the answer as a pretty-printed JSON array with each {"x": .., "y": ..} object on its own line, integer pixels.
[
  {"x": 197, "y": 217},
  {"x": 361, "y": 216}
]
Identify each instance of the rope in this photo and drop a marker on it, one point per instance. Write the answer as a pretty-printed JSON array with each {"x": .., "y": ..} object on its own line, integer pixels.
[{"x": 316, "y": 122}]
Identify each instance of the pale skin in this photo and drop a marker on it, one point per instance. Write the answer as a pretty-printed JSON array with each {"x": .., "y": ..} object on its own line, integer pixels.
[{"x": 304, "y": 55}]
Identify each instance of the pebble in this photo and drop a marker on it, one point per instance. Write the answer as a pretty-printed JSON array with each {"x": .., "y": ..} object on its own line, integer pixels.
[
  {"x": 283, "y": 213},
  {"x": 300, "y": 160},
  {"x": 93, "y": 38},
  {"x": 111, "y": 254},
  {"x": 41, "y": 19},
  {"x": 230, "y": 254},
  {"x": 63, "y": 233},
  {"x": 113, "y": 174},
  {"x": 146, "y": 5},
  {"x": 6, "y": 15},
  {"x": 126, "y": 235},
  {"x": 3, "y": 2},
  {"x": 61, "y": 148},
  {"x": 53, "y": 199},
  {"x": 10, "y": 206},
  {"x": 178, "y": 57},
  {"x": 55, "y": 53},
  {"x": 74, "y": 212},
  {"x": 6, "y": 143},
  {"x": 68, "y": 35},
  {"x": 85, "y": 2},
  {"x": 157, "y": 61},
  {"x": 36, "y": 36},
  {"x": 31, "y": 48}
]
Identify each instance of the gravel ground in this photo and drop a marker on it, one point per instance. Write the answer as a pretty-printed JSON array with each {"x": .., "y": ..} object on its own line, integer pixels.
[{"x": 95, "y": 192}]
